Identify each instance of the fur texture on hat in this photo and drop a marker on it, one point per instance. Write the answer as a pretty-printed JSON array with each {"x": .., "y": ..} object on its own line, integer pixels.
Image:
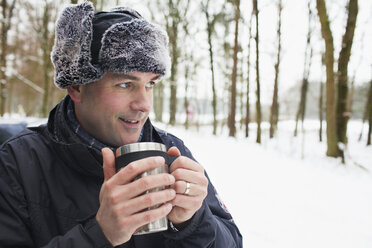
[{"x": 135, "y": 45}]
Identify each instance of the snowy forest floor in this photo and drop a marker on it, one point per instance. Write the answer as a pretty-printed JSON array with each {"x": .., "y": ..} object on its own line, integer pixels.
[{"x": 286, "y": 192}]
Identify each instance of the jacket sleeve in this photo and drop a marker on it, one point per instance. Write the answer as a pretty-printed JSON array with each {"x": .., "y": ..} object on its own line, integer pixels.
[
  {"x": 86, "y": 235},
  {"x": 211, "y": 226},
  {"x": 16, "y": 230}
]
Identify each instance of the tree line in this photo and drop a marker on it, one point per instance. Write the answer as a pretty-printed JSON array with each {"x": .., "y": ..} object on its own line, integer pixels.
[{"x": 223, "y": 55}]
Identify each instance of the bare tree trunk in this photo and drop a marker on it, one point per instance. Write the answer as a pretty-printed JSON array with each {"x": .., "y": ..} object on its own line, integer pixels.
[
  {"x": 365, "y": 116},
  {"x": 210, "y": 28},
  {"x": 227, "y": 48},
  {"x": 321, "y": 100},
  {"x": 159, "y": 101},
  {"x": 173, "y": 84},
  {"x": 258, "y": 93},
  {"x": 232, "y": 128},
  {"x": 321, "y": 111},
  {"x": 302, "y": 106},
  {"x": 342, "y": 113},
  {"x": 369, "y": 114},
  {"x": 173, "y": 20},
  {"x": 332, "y": 148},
  {"x": 7, "y": 13},
  {"x": 101, "y": 4},
  {"x": 274, "y": 115},
  {"x": 159, "y": 88},
  {"x": 11, "y": 105},
  {"x": 350, "y": 97},
  {"x": 186, "y": 100},
  {"x": 241, "y": 93},
  {"x": 305, "y": 78},
  {"x": 46, "y": 41},
  {"x": 247, "y": 109}
]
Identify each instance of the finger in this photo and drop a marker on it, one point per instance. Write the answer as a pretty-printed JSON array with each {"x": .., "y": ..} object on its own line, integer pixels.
[
  {"x": 187, "y": 202},
  {"x": 194, "y": 189},
  {"x": 174, "y": 151},
  {"x": 151, "y": 182},
  {"x": 146, "y": 201},
  {"x": 143, "y": 218},
  {"x": 108, "y": 163},
  {"x": 190, "y": 176},
  {"x": 186, "y": 163},
  {"x": 135, "y": 168}
]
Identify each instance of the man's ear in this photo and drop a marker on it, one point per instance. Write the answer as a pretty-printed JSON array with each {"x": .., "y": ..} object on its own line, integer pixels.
[{"x": 75, "y": 93}]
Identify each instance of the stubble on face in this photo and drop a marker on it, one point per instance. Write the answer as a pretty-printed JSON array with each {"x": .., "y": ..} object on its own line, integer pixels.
[{"x": 113, "y": 115}]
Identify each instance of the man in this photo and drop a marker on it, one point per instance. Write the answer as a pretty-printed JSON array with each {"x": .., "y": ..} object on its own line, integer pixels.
[{"x": 58, "y": 184}]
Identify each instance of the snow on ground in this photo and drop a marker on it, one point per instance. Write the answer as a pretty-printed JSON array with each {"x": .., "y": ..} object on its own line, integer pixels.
[
  {"x": 279, "y": 199},
  {"x": 286, "y": 192}
]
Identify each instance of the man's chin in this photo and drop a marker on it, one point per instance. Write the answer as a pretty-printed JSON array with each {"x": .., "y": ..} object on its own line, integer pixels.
[{"x": 129, "y": 140}]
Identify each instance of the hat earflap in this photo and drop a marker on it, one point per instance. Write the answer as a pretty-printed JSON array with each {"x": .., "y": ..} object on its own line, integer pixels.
[{"x": 71, "y": 53}]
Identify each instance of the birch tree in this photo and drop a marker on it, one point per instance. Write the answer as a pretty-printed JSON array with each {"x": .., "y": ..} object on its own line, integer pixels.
[
  {"x": 320, "y": 102},
  {"x": 46, "y": 40},
  {"x": 258, "y": 93},
  {"x": 369, "y": 114},
  {"x": 211, "y": 22},
  {"x": 247, "y": 107},
  {"x": 190, "y": 64},
  {"x": 43, "y": 25},
  {"x": 173, "y": 15},
  {"x": 305, "y": 78},
  {"x": 158, "y": 105},
  {"x": 173, "y": 22},
  {"x": 7, "y": 10},
  {"x": 231, "y": 122},
  {"x": 274, "y": 115}
]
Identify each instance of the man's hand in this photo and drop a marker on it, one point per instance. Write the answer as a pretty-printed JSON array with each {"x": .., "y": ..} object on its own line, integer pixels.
[
  {"x": 121, "y": 201},
  {"x": 186, "y": 171}
]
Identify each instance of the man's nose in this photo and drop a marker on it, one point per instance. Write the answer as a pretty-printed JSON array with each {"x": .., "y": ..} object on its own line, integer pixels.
[{"x": 141, "y": 101}]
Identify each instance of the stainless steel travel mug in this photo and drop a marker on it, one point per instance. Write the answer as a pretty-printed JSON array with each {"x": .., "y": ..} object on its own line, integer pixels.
[{"x": 131, "y": 152}]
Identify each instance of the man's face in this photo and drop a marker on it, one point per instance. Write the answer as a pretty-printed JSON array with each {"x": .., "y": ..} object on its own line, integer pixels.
[{"x": 115, "y": 108}]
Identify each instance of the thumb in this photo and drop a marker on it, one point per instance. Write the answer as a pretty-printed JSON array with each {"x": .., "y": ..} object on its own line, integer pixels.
[
  {"x": 108, "y": 163},
  {"x": 173, "y": 151}
]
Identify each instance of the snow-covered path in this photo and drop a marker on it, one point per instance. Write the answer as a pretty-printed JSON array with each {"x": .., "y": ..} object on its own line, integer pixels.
[{"x": 280, "y": 200}]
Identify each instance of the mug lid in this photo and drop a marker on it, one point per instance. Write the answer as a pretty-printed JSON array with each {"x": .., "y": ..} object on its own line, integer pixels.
[{"x": 141, "y": 146}]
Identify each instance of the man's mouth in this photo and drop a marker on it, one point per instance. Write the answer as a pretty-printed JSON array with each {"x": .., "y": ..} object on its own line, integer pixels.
[{"x": 129, "y": 121}]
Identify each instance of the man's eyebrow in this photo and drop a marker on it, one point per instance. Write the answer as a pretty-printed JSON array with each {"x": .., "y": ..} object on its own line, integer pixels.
[
  {"x": 131, "y": 77},
  {"x": 156, "y": 77},
  {"x": 125, "y": 76}
]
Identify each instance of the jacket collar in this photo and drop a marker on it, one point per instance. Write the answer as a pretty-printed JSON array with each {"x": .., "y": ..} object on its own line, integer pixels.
[{"x": 75, "y": 153}]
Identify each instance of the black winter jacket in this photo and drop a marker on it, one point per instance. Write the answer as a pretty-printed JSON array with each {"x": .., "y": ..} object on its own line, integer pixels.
[{"x": 49, "y": 194}]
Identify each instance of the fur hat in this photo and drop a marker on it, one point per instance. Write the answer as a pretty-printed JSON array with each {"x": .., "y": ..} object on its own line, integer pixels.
[{"x": 88, "y": 44}]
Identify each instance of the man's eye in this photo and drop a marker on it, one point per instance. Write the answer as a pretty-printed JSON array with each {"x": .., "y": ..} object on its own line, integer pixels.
[
  {"x": 150, "y": 84},
  {"x": 124, "y": 85}
]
